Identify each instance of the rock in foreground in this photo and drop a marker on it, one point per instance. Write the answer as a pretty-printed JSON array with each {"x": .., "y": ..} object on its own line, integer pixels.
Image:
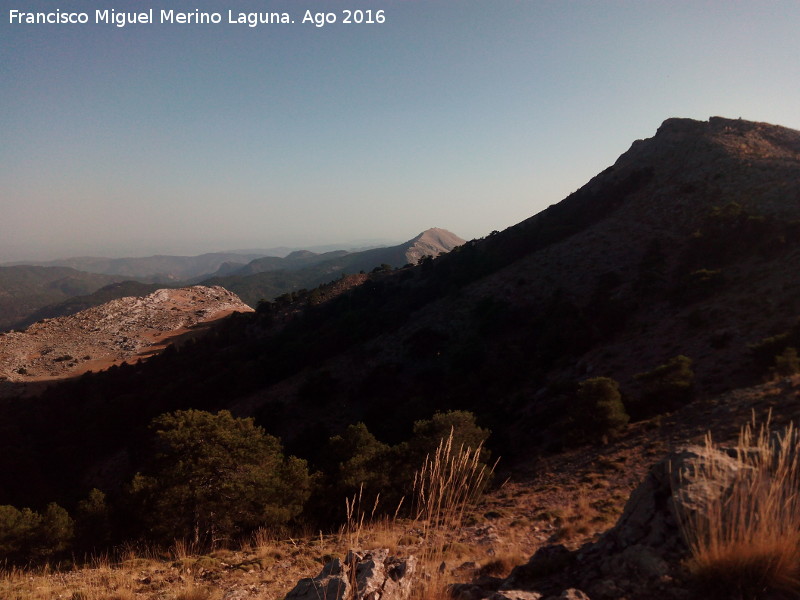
[{"x": 375, "y": 575}]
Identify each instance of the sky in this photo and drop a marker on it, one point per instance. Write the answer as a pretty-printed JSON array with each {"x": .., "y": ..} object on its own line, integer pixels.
[{"x": 471, "y": 115}]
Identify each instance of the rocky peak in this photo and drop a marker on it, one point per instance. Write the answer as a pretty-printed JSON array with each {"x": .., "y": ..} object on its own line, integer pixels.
[
  {"x": 431, "y": 242},
  {"x": 736, "y": 137}
]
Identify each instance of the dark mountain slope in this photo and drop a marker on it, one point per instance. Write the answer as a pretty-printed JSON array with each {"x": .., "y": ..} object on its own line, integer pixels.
[
  {"x": 96, "y": 298},
  {"x": 24, "y": 289},
  {"x": 293, "y": 261},
  {"x": 687, "y": 245}
]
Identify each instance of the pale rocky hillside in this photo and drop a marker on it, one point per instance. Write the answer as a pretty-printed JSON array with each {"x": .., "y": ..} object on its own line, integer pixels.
[
  {"x": 431, "y": 242},
  {"x": 121, "y": 330}
]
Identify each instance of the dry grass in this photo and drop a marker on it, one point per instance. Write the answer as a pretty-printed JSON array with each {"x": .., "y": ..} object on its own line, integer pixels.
[
  {"x": 747, "y": 541},
  {"x": 450, "y": 481},
  {"x": 502, "y": 564},
  {"x": 364, "y": 530},
  {"x": 575, "y": 520},
  {"x": 96, "y": 583},
  {"x": 193, "y": 592}
]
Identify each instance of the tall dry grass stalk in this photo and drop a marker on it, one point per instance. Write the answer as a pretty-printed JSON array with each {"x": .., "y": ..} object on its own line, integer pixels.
[
  {"x": 182, "y": 549},
  {"x": 357, "y": 519},
  {"x": 747, "y": 540},
  {"x": 362, "y": 526},
  {"x": 450, "y": 481}
]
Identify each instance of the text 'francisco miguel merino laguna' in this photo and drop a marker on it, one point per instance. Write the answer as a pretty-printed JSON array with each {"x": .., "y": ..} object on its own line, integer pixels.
[{"x": 121, "y": 19}]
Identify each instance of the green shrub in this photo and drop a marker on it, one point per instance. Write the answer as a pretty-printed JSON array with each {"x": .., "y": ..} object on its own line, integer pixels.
[
  {"x": 356, "y": 463},
  {"x": 598, "y": 410},
  {"x": 359, "y": 460},
  {"x": 18, "y": 532},
  {"x": 353, "y": 463},
  {"x": 429, "y": 433},
  {"x": 765, "y": 351},
  {"x": 26, "y": 535},
  {"x": 92, "y": 522},
  {"x": 665, "y": 388},
  {"x": 213, "y": 476},
  {"x": 787, "y": 363}
]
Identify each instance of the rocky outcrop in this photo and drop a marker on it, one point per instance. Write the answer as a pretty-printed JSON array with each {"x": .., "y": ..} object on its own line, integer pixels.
[
  {"x": 119, "y": 330},
  {"x": 641, "y": 556},
  {"x": 379, "y": 576},
  {"x": 333, "y": 583},
  {"x": 372, "y": 575}
]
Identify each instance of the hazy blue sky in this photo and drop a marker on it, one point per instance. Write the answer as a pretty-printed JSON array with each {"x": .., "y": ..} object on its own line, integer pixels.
[{"x": 465, "y": 114}]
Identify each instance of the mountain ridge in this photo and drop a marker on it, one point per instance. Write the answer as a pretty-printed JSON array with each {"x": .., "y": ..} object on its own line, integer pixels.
[
  {"x": 159, "y": 268},
  {"x": 266, "y": 278},
  {"x": 431, "y": 242},
  {"x": 20, "y": 306}
]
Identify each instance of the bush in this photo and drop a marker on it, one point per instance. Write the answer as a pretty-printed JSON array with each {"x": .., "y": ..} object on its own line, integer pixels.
[
  {"x": 213, "y": 476},
  {"x": 93, "y": 522},
  {"x": 429, "y": 433},
  {"x": 665, "y": 388},
  {"x": 598, "y": 410},
  {"x": 26, "y": 535},
  {"x": 354, "y": 463},
  {"x": 787, "y": 363},
  {"x": 358, "y": 464},
  {"x": 359, "y": 460},
  {"x": 765, "y": 351},
  {"x": 18, "y": 532}
]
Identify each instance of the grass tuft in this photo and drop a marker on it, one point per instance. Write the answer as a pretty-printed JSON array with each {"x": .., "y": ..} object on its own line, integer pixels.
[
  {"x": 746, "y": 542},
  {"x": 450, "y": 481}
]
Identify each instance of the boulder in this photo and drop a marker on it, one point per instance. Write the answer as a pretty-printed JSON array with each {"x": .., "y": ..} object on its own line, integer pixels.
[
  {"x": 379, "y": 576},
  {"x": 331, "y": 584},
  {"x": 647, "y": 537},
  {"x": 375, "y": 575},
  {"x": 545, "y": 561},
  {"x": 481, "y": 587},
  {"x": 516, "y": 595},
  {"x": 642, "y": 555}
]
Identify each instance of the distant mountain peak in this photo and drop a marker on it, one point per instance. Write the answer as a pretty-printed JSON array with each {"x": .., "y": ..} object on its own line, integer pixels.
[
  {"x": 437, "y": 233},
  {"x": 300, "y": 254},
  {"x": 431, "y": 242}
]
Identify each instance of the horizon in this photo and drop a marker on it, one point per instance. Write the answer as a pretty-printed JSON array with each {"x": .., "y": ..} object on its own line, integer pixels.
[
  {"x": 277, "y": 251},
  {"x": 167, "y": 139}
]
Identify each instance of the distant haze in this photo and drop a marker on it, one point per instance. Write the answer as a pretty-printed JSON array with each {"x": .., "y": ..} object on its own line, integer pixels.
[{"x": 465, "y": 114}]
